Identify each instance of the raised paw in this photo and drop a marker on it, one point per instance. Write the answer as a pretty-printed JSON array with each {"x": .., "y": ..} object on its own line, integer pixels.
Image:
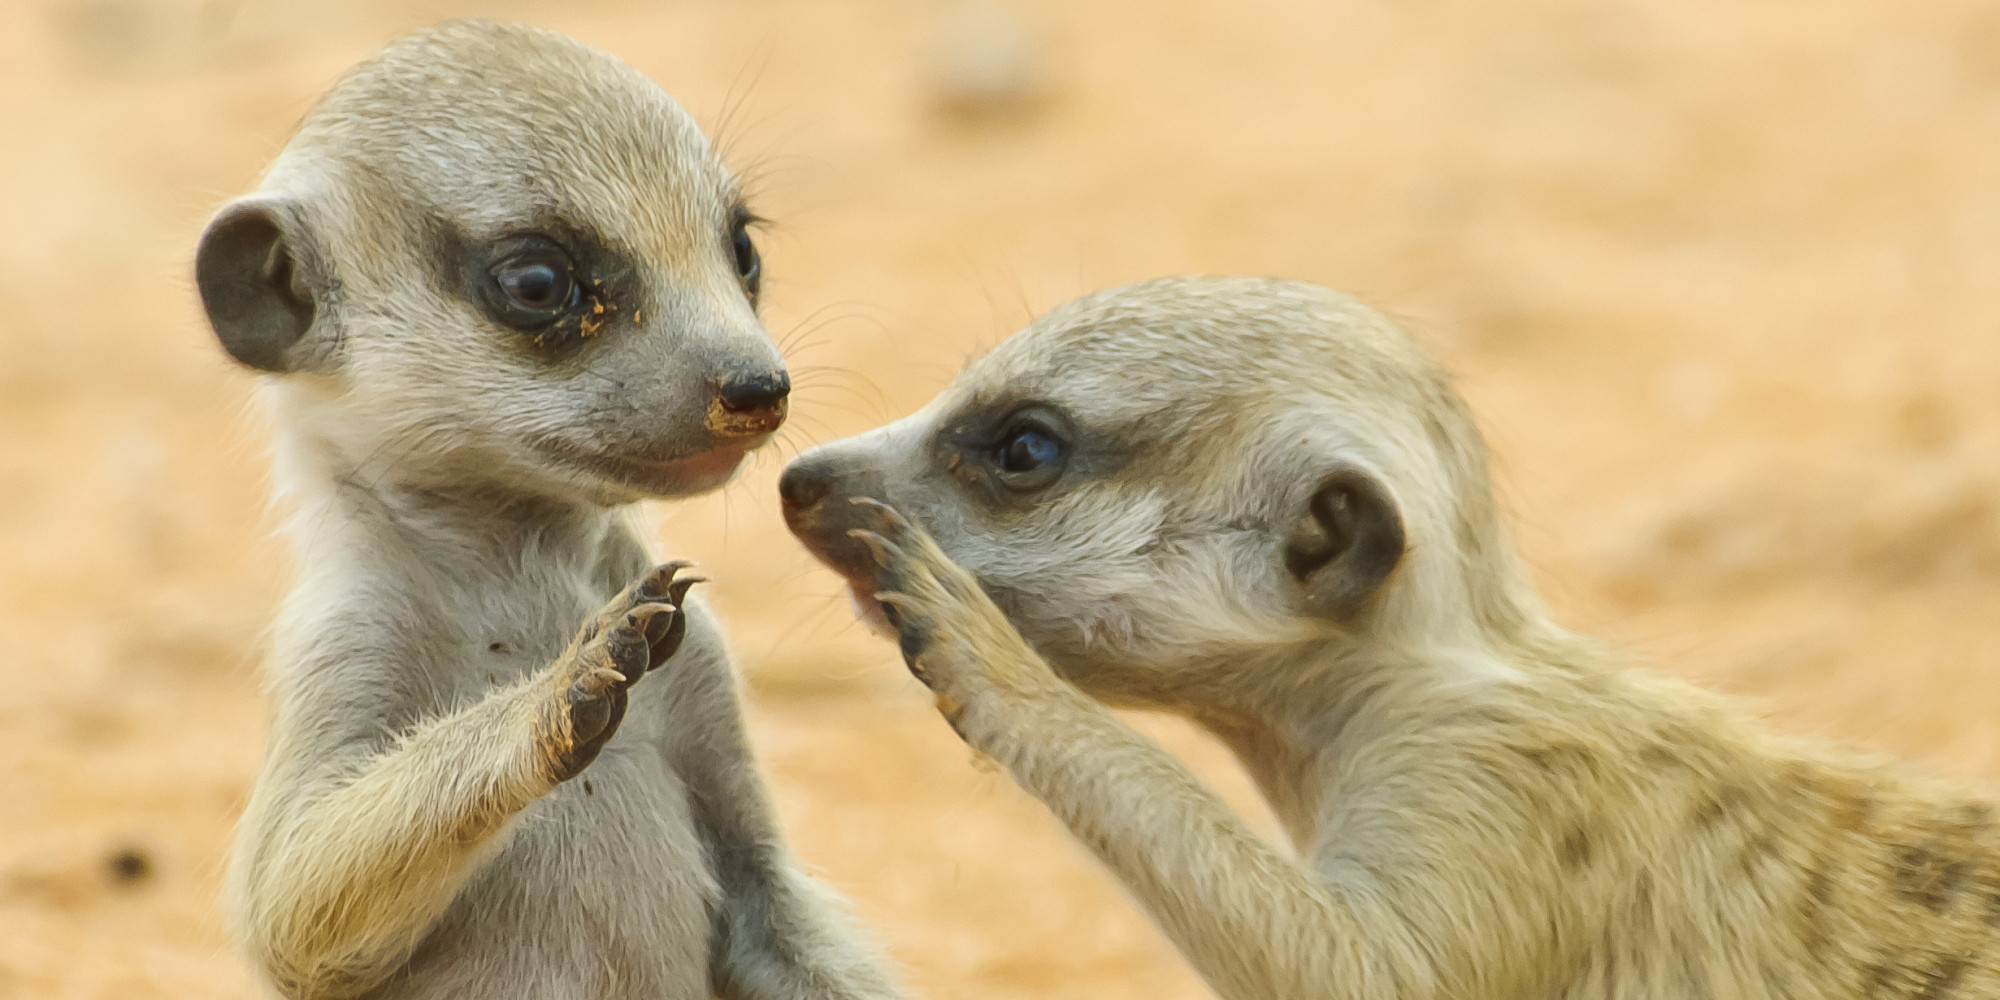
[
  {"x": 587, "y": 695},
  {"x": 952, "y": 636},
  {"x": 901, "y": 577},
  {"x": 662, "y": 585},
  {"x": 665, "y": 585}
]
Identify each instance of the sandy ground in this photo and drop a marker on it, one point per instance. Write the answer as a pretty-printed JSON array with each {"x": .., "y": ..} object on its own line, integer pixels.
[{"x": 1719, "y": 276}]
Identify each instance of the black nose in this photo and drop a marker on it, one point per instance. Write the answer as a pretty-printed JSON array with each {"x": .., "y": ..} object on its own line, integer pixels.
[
  {"x": 757, "y": 393},
  {"x": 804, "y": 484}
]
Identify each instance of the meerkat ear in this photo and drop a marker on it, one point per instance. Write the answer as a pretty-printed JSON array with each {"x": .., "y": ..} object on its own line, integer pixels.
[
  {"x": 252, "y": 272},
  {"x": 1345, "y": 543}
]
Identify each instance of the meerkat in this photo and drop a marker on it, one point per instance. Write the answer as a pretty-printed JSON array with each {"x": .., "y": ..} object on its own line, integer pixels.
[
  {"x": 1258, "y": 505},
  {"x": 501, "y": 288}
]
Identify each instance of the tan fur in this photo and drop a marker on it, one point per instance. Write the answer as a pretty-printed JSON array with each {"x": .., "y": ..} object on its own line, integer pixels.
[
  {"x": 471, "y": 790},
  {"x": 1479, "y": 803}
]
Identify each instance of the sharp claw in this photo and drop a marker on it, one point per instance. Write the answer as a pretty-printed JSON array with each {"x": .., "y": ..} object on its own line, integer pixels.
[
  {"x": 663, "y": 575},
  {"x": 678, "y": 589},
  {"x": 892, "y": 606},
  {"x": 883, "y": 550},
  {"x": 887, "y": 513},
  {"x": 651, "y": 620},
  {"x": 596, "y": 683}
]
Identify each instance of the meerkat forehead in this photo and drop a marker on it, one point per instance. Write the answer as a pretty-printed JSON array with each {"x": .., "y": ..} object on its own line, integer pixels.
[
  {"x": 1177, "y": 363},
  {"x": 492, "y": 127}
]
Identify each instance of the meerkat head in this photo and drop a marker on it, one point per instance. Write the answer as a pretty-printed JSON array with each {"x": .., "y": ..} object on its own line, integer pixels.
[
  {"x": 1177, "y": 470},
  {"x": 494, "y": 255}
]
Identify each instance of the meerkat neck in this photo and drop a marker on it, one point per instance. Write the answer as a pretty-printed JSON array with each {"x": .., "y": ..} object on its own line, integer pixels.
[
  {"x": 1321, "y": 703},
  {"x": 416, "y": 514}
]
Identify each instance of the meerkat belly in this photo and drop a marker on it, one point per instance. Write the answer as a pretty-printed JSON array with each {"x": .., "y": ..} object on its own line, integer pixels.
[{"x": 593, "y": 895}]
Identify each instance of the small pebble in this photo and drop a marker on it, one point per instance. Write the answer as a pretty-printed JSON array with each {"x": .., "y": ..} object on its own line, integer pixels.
[{"x": 129, "y": 865}]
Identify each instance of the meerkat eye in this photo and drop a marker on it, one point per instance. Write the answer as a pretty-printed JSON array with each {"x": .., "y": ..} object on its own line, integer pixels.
[
  {"x": 1026, "y": 450},
  {"x": 537, "y": 287},
  {"x": 749, "y": 264},
  {"x": 1029, "y": 455}
]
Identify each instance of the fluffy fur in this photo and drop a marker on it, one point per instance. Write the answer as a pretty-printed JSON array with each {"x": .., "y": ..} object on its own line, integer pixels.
[
  {"x": 450, "y": 806},
  {"x": 1479, "y": 803}
]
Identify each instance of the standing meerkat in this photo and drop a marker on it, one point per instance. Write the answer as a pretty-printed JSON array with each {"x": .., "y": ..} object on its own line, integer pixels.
[
  {"x": 503, "y": 287},
  {"x": 1258, "y": 505}
]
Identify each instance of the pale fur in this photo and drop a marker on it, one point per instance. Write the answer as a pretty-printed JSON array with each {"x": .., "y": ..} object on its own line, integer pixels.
[
  {"x": 407, "y": 837},
  {"x": 1479, "y": 804}
]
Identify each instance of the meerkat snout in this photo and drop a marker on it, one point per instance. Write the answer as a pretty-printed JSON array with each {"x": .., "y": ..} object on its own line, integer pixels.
[
  {"x": 813, "y": 492},
  {"x": 802, "y": 486},
  {"x": 750, "y": 404}
]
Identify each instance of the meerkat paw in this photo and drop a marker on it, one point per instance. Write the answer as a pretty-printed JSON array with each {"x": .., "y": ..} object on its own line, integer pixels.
[
  {"x": 635, "y": 633},
  {"x": 952, "y": 636}
]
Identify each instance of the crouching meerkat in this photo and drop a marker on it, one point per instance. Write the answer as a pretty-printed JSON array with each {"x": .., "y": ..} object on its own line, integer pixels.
[
  {"x": 1258, "y": 505},
  {"x": 503, "y": 288}
]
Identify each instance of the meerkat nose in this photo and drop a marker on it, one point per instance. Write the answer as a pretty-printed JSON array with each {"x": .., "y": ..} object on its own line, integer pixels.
[
  {"x": 754, "y": 393},
  {"x": 804, "y": 484},
  {"x": 741, "y": 405}
]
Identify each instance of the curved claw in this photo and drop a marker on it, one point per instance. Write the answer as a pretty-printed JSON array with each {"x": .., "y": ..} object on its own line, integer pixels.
[
  {"x": 891, "y": 515},
  {"x": 884, "y": 550},
  {"x": 647, "y": 618},
  {"x": 892, "y": 606},
  {"x": 660, "y": 582},
  {"x": 677, "y": 590}
]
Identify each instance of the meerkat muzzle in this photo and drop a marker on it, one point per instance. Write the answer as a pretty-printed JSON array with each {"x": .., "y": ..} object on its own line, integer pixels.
[{"x": 743, "y": 406}]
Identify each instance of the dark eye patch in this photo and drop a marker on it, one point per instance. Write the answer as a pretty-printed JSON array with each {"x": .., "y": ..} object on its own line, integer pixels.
[
  {"x": 555, "y": 284},
  {"x": 743, "y": 249},
  {"x": 1014, "y": 454},
  {"x": 533, "y": 287}
]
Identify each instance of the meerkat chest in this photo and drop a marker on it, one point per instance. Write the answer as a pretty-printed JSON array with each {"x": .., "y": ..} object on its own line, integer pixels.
[{"x": 509, "y": 627}]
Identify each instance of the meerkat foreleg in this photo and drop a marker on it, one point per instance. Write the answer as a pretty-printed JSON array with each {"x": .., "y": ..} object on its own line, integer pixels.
[
  {"x": 1204, "y": 875},
  {"x": 350, "y": 878}
]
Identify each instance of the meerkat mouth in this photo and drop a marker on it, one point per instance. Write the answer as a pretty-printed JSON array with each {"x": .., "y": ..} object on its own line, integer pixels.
[
  {"x": 866, "y": 607},
  {"x": 714, "y": 465},
  {"x": 855, "y": 569},
  {"x": 699, "y": 472}
]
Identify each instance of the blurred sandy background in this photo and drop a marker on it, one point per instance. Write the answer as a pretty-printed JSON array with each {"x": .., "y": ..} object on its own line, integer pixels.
[{"x": 1722, "y": 278}]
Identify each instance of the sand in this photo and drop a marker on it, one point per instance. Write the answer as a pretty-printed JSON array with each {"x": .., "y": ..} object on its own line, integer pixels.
[{"x": 1718, "y": 276}]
